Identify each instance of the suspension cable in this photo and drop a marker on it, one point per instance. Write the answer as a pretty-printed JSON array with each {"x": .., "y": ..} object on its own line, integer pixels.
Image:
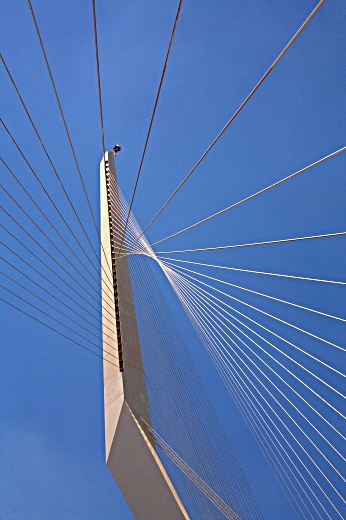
[
  {"x": 46, "y": 192},
  {"x": 236, "y": 113},
  {"x": 66, "y": 129},
  {"x": 54, "y": 272},
  {"x": 262, "y": 294},
  {"x": 152, "y": 118},
  {"x": 60, "y": 312},
  {"x": 51, "y": 162},
  {"x": 265, "y": 313},
  {"x": 254, "y": 272},
  {"x": 50, "y": 223},
  {"x": 251, "y": 196},
  {"x": 54, "y": 260},
  {"x": 53, "y": 295},
  {"x": 340, "y": 233},
  {"x": 57, "y": 331},
  {"x": 56, "y": 247}
]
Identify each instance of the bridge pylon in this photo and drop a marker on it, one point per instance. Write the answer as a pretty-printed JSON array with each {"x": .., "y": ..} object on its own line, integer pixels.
[{"x": 130, "y": 450}]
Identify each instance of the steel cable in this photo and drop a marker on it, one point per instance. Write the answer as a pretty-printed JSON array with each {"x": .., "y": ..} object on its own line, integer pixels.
[
  {"x": 56, "y": 247},
  {"x": 43, "y": 263},
  {"x": 54, "y": 296},
  {"x": 58, "y": 332},
  {"x": 49, "y": 222},
  {"x": 48, "y": 156},
  {"x": 54, "y": 319},
  {"x": 264, "y": 190},
  {"x": 152, "y": 118},
  {"x": 236, "y": 113},
  {"x": 46, "y": 192},
  {"x": 66, "y": 127},
  {"x": 56, "y": 262}
]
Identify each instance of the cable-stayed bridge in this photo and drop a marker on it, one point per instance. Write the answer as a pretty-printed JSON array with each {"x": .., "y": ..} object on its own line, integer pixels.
[{"x": 264, "y": 293}]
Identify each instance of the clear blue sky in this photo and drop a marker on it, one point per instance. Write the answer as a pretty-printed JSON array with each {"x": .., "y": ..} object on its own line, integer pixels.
[{"x": 52, "y": 440}]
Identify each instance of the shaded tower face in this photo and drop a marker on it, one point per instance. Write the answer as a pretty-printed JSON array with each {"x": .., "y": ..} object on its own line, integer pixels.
[{"x": 130, "y": 452}]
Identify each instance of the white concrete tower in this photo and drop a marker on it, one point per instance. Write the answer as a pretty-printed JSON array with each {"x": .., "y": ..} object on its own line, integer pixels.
[{"x": 130, "y": 451}]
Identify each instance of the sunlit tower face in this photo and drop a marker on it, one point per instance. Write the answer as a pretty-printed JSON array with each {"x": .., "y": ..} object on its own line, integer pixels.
[{"x": 130, "y": 450}]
